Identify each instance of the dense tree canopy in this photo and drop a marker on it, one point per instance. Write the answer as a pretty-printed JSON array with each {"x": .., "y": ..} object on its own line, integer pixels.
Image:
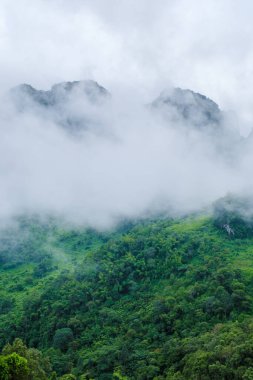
[{"x": 156, "y": 299}]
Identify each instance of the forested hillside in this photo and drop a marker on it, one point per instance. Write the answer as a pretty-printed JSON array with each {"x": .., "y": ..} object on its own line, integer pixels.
[{"x": 156, "y": 299}]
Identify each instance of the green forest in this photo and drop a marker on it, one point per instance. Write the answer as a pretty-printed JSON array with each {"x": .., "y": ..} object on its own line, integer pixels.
[{"x": 164, "y": 298}]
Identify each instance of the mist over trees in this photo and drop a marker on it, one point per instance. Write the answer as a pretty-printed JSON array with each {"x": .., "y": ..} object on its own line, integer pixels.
[{"x": 126, "y": 206}]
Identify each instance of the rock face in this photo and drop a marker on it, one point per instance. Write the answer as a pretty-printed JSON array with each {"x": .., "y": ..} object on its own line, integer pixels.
[
  {"x": 200, "y": 116},
  {"x": 234, "y": 215},
  {"x": 60, "y": 93},
  {"x": 68, "y": 104},
  {"x": 189, "y": 107},
  {"x": 79, "y": 106}
]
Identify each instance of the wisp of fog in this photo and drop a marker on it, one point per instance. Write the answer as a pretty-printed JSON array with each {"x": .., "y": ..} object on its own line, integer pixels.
[{"x": 97, "y": 161}]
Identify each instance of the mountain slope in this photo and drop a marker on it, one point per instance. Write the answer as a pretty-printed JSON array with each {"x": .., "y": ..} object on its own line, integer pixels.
[{"x": 155, "y": 300}]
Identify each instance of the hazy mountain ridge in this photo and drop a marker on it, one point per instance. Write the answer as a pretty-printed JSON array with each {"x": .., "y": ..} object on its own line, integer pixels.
[
  {"x": 191, "y": 106},
  {"x": 59, "y": 93},
  {"x": 179, "y": 104},
  {"x": 68, "y": 104}
]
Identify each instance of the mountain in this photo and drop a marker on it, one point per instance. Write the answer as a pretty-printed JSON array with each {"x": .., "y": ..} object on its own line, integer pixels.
[
  {"x": 154, "y": 299},
  {"x": 60, "y": 93},
  {"x": 157, "y": 298},
  {"x": 179, "y": 104},
  {"x": 77, "y": 105},
  {"x": 196, "y": 114},
  {"x": 190, "y": 107},
  {"x": 68, "y": 104}
]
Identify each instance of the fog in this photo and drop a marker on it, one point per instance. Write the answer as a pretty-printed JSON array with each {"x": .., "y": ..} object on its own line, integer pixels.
[{"x": 125, "y": 159}]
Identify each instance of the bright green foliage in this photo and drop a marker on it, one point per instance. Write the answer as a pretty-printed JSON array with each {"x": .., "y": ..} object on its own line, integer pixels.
[
  {"x": 39, "y": 366},
  {"x": 163, "y": 299},
  {"x": 13, "y": 367},
  {"x": 68, "y": 377},
  {"x": 117, "y": 375}
]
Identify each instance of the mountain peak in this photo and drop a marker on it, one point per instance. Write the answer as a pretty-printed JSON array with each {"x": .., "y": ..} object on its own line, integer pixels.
[
  {"x": 189, "y": 106},
  {"x": 68, "y": 104},
  {"x": 60, "y": 92}
]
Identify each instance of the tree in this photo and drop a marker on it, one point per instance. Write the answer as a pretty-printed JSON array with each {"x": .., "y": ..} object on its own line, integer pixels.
[
  {"x": 62, "y": 338},
  {"x": 39, "y": 367},
  {"x": 117, "y": 375},
  {"x": 13, "y": 367}
]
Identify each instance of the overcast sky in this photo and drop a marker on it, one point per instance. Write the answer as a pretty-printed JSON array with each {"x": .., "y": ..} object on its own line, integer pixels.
[
  {"x": 133, "y": 162},
  {"x": 203, "y": 45}
]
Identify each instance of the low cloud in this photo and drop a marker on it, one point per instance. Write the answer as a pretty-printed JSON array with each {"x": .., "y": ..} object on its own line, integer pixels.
[
  {"x": 123, "y": 158},
  {"x": 96, "y": 163}
]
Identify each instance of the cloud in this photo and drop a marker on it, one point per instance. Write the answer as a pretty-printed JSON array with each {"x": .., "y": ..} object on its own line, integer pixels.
[
  {"x": 135, "y": 161},
  {"x": 205, "y": 46},
  {"x": 126, "y": 159}
]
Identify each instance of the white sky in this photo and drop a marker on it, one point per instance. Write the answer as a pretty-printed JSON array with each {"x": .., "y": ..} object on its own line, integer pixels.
[
  {"x": 144, "y": 45},
  {"x": 134, "y": 48}
]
